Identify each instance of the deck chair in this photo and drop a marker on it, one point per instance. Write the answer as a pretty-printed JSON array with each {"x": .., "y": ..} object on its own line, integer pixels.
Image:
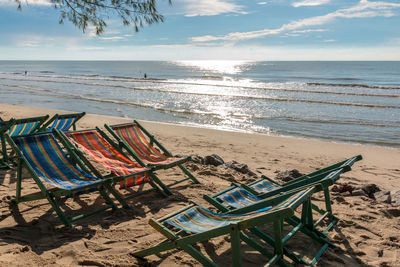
[
  {"x": 238, "y": 197},
  {"x": 266, "y": 187},
  {"x": 195, "y": 224},
  {"x": 16, "y": 127},
  {"x": 55, "y": 173},
  {"x": 62, "y": 122},
  {"x": 4, "y": 126},
  {"x": 101, "y": 149},
  {"x": 145, "y": 148}
]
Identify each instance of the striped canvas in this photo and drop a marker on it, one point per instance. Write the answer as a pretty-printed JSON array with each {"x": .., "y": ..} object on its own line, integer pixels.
[
  {"x": 51, "y": 164},
  {"x": 265, "y": 186},
  {"x": 198, "y": 219},
  {"x": 62, "y": 124},
  {"x": 102, "y": 152},
  {"x": 237, "y": 198},
  {"x": 22, "y": 128},
  {"x": 137, "y": 140}
]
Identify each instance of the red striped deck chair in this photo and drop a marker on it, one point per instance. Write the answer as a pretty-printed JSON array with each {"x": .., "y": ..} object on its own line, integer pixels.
[
  {"x": 98, "y": 147},
  {"x": 194, "y": 224},
  {"x": 56, "y": 173},
  {"x": 145, "y": 148}
]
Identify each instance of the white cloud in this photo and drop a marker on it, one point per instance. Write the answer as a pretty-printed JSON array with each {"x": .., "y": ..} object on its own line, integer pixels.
[
  {"x": 329, "y": 40},
  {"x": 310, "y": 3},
  {"x": 113, "y": 38},
  {"x": 262, "y": 3},
  {"x": 363, "y": 9},
  {"x": 194, "y": 8},
  {"x": 309, "y": 30}
]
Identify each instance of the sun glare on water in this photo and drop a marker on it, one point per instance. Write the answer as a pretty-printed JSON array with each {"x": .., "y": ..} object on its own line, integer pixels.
[{"x": 220, "y": 66}]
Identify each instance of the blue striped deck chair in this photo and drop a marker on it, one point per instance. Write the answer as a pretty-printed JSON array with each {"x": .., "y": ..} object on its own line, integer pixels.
[
  {"x": 237, "y": 198},
  {"x": 19, "y": 127},
  {"x": 266, "y": 187},
  {"x": 55, "y": 173},
  {"x": 62, "y": 122},
  {"x": 194, "y": 224}
]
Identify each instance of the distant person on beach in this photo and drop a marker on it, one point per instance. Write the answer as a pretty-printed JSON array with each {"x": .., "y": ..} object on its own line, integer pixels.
[
  {"x": 145, "y": 76},
  {"x": 26, "y": 72}
]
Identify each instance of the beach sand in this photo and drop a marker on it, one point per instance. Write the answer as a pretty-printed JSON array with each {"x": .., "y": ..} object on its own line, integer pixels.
[{"x": 367, "y": 234}]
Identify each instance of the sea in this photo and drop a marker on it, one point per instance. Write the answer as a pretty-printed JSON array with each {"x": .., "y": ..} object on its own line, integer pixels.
[{"x": 357, "y": 102}]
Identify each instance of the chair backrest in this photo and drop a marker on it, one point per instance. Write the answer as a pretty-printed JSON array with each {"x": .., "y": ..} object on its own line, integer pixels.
[
  {"x": 198, "y": 219},
  {"x": 26, "y": 126},
  {"x": 237, "y": 197},
  {"x": 101, "y": 151},
  {"x": 47, "y": 159},
  {"x": 137, "y": 140},
  {"x": 63, "y": 122}
]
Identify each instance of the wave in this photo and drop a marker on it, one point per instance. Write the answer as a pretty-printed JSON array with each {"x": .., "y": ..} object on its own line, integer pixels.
[
  {"x": 278, "y": 99},
  {"x": 46, "y": 71},
  {"x": 369, "y": 86},
  {"x": 219, "y": 94},
  {"x": 338, "y": 138},
  {"x": 390, "y": 124}
]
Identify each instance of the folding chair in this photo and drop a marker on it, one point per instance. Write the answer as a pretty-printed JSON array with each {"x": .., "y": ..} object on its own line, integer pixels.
[
  {"x": 146, "y": 150},
  {"x": 55, "y": 173},
  {"x": 101, "y": 149},
  {"x": 16, "y": 127},
  {"x": 4, "y": 126},
  {"x": 266, "y": 187},
  {"x": 62, "y": 122},
  {"x": 237, "y": 198},
  {"x": 195, "y": 224}
]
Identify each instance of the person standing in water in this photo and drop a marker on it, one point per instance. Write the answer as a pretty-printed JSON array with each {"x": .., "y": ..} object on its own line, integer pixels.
[{"x": 145, "y": 76}]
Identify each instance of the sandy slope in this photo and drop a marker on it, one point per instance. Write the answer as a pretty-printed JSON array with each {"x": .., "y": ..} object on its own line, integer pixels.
[{"x": 368, "y": 233}]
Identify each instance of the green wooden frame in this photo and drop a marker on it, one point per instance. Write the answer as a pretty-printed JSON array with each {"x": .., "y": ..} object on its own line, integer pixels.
[
  {"x": 4, "y": 162},
  {"x": 78, "y": 116},
  {"x": 312, "y": 178},
  {"x": 4, "y": 126},
  {"x": 154, "y": 181},
  {"x": 52, "y": 194},
  {"x": 304, "y": 224},
  {"x": 153, "y": 140},
  {"x": 185, "y": 241}
]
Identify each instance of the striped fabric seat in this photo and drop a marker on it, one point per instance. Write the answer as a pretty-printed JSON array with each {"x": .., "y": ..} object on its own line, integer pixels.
[
  {"x": 51, "y": 164},
  {"x": 265, "y": 186},
  {"x": 137, "y": 140},
  {"x": 238, "y": 197},
  {"x": 102, "y": 152},
  {"x": 62, "y": 124},
  {"x": 23, "y": 128},
  {"x": 198, "y": 219}
]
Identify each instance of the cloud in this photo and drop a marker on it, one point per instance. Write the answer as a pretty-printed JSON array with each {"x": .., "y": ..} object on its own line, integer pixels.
[
  {"x": 363, "y": 9},
  {"x": 310, "y": 3},
  {"x": 329, "y": 40},
  {"x": 113, "y": 38},
  {"x": 309, "y": 30},
  {"x": 27, "y": 2},
  {"x": 262, "y": 3},
  {"x": 194, "y": 8}
]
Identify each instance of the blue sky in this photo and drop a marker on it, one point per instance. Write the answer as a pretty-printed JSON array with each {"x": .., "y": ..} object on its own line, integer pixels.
[{"x": 213, "y": 29}]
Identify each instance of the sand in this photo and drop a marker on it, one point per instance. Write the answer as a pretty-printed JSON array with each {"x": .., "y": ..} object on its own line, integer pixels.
[{"x": 367, "y": 234}]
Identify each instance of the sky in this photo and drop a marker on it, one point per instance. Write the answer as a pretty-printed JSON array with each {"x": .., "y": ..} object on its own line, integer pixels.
[{"x": 212, "y": 30}]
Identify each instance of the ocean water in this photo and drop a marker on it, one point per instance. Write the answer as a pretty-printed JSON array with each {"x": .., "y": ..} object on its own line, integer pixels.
[{"x": 355, "y": 102}]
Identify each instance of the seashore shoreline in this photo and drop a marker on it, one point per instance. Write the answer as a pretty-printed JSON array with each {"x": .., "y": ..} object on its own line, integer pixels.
[{"x": 367, "y": 228}]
